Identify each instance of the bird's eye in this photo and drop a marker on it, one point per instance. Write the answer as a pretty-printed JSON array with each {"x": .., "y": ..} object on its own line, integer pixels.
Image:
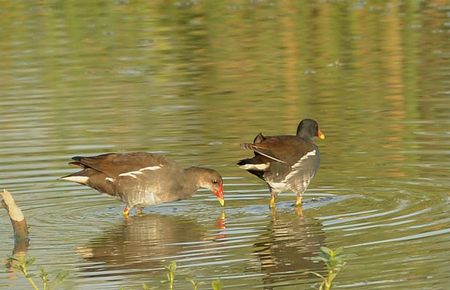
[{"x": 215, "y": 181}]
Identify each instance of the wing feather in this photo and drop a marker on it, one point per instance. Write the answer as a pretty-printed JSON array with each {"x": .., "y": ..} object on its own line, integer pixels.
[{"x": 113, "y": 164}]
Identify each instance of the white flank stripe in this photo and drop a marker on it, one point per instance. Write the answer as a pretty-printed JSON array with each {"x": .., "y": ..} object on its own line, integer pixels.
[
  {"x": 260, "y": 167},
  {"x": 130, "y": 174},
  {"x": 135, "y": 173},
  {"x": 150, "y": 168},
  {"x": 78, "y": 179},
  {"x": 298, "y": 164}
]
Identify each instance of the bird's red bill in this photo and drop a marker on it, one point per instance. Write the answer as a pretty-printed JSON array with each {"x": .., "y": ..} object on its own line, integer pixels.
[{"x": 219, "y": 194}]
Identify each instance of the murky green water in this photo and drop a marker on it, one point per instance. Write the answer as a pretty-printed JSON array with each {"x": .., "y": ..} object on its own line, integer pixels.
[{"x": 194, "y": 79}]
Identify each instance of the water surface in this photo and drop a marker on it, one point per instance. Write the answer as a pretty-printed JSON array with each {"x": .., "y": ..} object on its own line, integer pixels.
[{"x": 193, "y": 80}]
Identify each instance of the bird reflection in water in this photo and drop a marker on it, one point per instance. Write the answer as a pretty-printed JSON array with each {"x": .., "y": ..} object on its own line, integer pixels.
[
  {"x": 145, "y": 243},
  {"x": 286, "y": 248}
]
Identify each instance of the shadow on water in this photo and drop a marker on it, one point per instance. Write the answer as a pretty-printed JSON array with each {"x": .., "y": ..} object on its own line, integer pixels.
[
  {"x": 286, "y": 248},
  {"x": 145, "y": 243}
]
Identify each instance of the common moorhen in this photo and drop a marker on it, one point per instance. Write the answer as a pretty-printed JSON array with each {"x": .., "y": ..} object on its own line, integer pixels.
[
  {"x": 285, "y": 162},
  {"x": 141, "y": 179}
]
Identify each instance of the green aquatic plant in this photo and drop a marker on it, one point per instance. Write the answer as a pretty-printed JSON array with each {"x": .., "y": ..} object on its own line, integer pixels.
[
  {"x": 334, "y": 261},
  {"x": 194, "y": 284},
  {"x": 216, "y": 285},
  {"x": 22, "y": 266},
  {"x": 170, "y": 269},
  {"x": 170, "y": 272}
]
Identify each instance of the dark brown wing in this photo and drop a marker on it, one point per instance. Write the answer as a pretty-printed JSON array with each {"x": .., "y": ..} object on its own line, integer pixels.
[
  {"x": 113, "y": 164},
  {"x": 284, "y": 149},
  {"x": 262, "y": 151}
]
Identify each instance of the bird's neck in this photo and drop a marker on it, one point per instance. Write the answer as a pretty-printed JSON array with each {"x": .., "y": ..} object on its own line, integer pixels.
[
  {"x": 192, "y": 180},
  {"x": 305, "y": 135}
]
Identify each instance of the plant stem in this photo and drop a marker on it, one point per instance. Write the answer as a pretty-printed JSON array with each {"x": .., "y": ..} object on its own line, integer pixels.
[
  {"x": 35, "y": 287},
  {"x": 329, "y": 280},
  {"x": 30, "y": 280}
]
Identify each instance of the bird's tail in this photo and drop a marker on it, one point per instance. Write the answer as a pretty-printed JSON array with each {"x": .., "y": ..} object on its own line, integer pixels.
[
  {"x": 248, "y": 146},
  {"x": 250, "y": 164},
  {"x": 78, "y": 177}
]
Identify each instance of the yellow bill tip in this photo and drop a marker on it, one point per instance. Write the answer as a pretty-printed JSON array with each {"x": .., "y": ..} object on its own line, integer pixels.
[{"x": 321, "y": 135}]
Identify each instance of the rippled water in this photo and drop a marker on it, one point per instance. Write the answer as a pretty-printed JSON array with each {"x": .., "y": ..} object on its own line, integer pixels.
[{"x": 194, "y": 79}]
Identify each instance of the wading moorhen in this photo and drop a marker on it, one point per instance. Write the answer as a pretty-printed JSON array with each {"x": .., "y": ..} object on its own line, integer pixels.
[
  {"x": 141, "y": 179},
  {"x": 285, "y": 162}
]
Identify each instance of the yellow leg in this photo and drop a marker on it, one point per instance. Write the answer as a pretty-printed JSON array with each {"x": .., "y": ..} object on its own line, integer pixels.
[
  {"x": 298, "y": 202},
  {"x": 272, "y": 202},
  {"x": 273, "y": 212},
  {"x": 139, "y": 211},
  {"x": 273, "y": 195},
  {"x": 299, "y": 211},
  {"x": 126, "y": 211}
]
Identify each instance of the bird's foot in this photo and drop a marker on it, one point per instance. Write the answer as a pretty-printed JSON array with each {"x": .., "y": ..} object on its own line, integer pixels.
[
  {"x": 139, "y": 211},
  {"x": 126, "y": 212}
]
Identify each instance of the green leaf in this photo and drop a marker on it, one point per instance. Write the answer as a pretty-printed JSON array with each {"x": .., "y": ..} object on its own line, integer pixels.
[
  {"x": 172, "y": 267},
  {"x": 11, "y": 259},
  {"x": 316, "y": 274},
  {"x": 194, "y": 284},
  {"x": 62, "y": 275},
  {"x": 216, "y": 285},
  {"x": 326, "y": 250},
  {"x": 30, "y": 261},
  {"x": 59, "y": 279},
  {"x": 44, "y": 274},
  {"x": 339, "y": 251},
  {"x": 339, "y": 261}
]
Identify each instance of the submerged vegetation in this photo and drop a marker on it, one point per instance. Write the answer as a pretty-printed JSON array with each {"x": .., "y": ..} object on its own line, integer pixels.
[
  {"x": 170, "y": 269},
  {"x": 47, "y": 283},
  {"x": 333, "y": 260}
]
